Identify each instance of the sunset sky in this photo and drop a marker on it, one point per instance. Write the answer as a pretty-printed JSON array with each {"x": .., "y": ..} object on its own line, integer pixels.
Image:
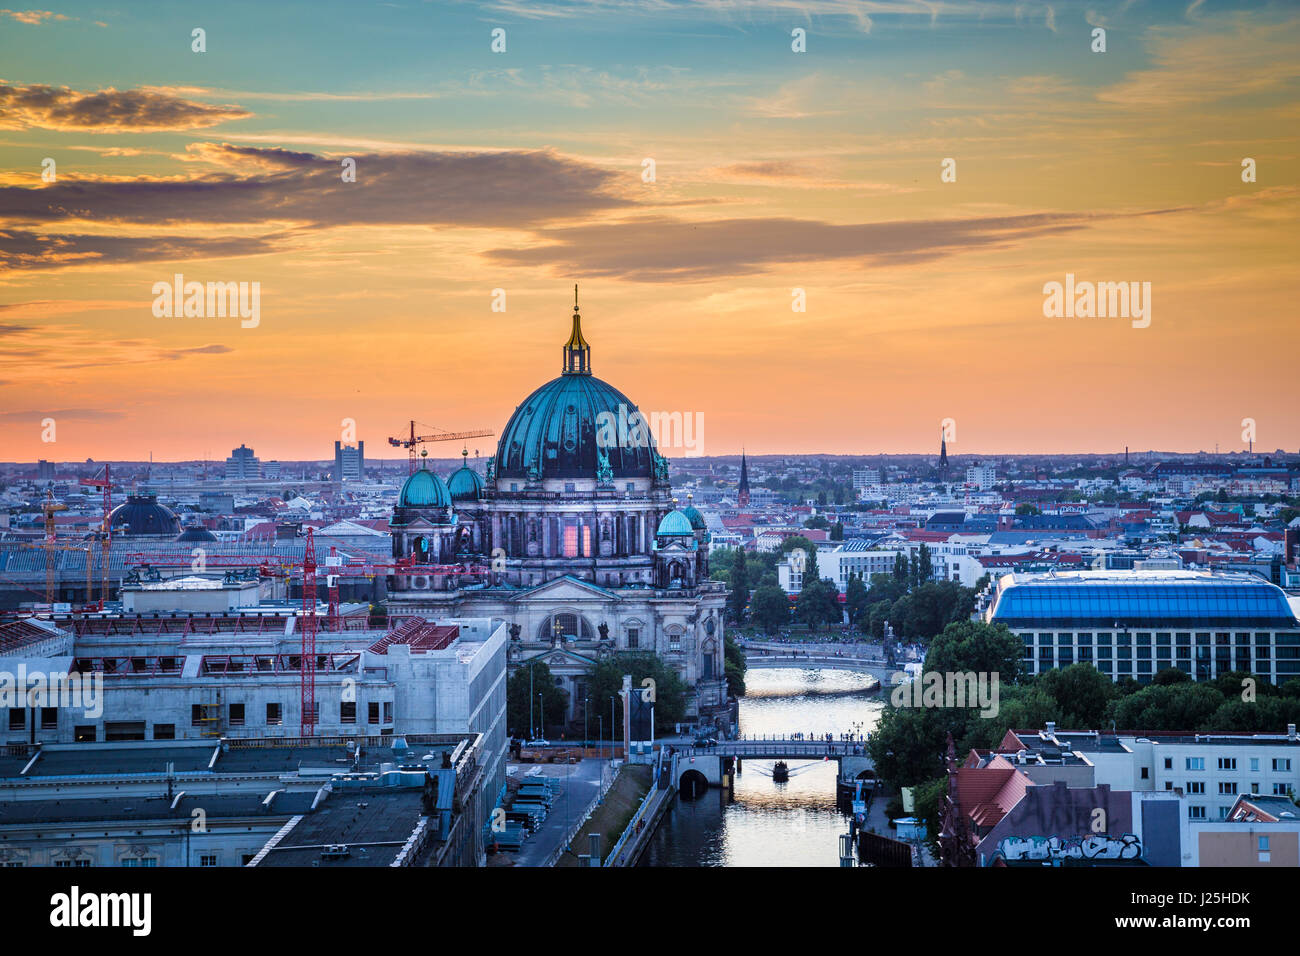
[{"x": 774, "y": 170}]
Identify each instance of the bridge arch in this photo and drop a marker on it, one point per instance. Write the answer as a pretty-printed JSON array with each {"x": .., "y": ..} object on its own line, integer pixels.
[{"x": 692, "y": 784}]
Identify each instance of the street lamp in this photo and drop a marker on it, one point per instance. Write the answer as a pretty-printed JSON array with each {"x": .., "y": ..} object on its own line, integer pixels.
[
  {"x": 586, "y": 705},
  {"x": 541, "y": 715}
]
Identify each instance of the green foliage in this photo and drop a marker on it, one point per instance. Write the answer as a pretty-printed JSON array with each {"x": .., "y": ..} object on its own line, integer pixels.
[
  {"x": 979, "y": 647},
  {"x": 735, "y": 665},
  {"x": 1028, "y": 509},
  {"x": 770, "y": 608},
  {"x": 907, "y": 746},
  {"x": 818, "y": 604},
  {"x": 670, "y": 689},
  {"x": 521, "y": 695},
  {"x": 738, "y": 598},
  {"x": 855, "y": 598}
]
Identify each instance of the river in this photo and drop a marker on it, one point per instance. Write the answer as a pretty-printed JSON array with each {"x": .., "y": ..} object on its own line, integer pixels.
[{"x": 768, "y": 823}]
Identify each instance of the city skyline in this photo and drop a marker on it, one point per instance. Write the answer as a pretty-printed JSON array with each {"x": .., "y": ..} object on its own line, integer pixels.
[{"x": 524, "y": 171}]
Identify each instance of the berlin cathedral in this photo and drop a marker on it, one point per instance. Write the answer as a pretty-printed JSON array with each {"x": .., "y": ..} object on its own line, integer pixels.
[{"x": 589, "y": 554}]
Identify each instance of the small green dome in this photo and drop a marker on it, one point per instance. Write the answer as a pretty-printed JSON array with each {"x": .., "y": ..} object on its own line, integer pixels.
[
  {"x": 695, "y": 518},
  {"x": 675, "y": 523},
  {"x": 465, "y": 484},
  {"x": 424, "y": 489}
]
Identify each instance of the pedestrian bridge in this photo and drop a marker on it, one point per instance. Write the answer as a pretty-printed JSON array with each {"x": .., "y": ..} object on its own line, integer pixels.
[
  {"x": 715, "y": 766},
  {"x": 805, "y": 661}
]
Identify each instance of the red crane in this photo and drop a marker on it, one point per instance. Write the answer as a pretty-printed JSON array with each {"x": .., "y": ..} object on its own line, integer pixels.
[
  {"x": 308, "y": 624},
  {"x": 105, "y": 531},
  {"x": 414, "y": 440}
]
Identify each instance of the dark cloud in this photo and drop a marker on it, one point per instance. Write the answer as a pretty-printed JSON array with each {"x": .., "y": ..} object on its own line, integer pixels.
[
  {"x": 459, "y": 189},
  {"x": 673, "y": 250},
  {"x": 108, "y": 111},
  {"x": 29, "y": 250}
]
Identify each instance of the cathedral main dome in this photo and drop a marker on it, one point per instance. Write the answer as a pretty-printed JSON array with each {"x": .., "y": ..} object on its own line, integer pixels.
[{"x": 576, "y": 426}]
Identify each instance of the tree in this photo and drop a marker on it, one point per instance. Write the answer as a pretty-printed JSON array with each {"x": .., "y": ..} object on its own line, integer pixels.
[
  {"x": 855, "y": 597},
  {"x": 901, "y": 572},
  {"x": 735, "y": 665},
  {"x": 1082, "y": 694},
  {"x": 770, "y": 608},
  {"x": 1027, "y": 509},
  {"x": 817, "y": 521},
  {"x": 977, "y": 647},
  {"x": 669, "y": 688},
  {"x": 931, "y": 607},
  {"x": 522, "y": 687},
  {"x": 922, "y": 567},
  {"x": 818, "y": 604},
  {"x": 837, "y": 531},
  {"x": 1185, "y": 706},
  {"x": 907, "y": 746},
  {"x": 739, "y": 596}
]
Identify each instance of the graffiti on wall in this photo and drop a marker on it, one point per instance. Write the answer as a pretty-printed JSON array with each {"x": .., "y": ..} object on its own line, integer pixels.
[{"x": 1095, "y": 846}]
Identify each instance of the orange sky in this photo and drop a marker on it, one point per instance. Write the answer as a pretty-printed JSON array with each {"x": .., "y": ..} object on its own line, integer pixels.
[{"x": 774, "y": 171}]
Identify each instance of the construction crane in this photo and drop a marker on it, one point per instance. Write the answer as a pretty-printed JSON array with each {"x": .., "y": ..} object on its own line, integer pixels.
[
  {"x": 308, "y": 624},
  {"x": 50, "y": 508},
  {"x": 411, "y": 443},
  {"x": 106, "y": 529}
]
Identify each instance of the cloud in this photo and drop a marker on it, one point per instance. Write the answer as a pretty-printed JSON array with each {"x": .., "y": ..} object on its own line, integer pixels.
[
  {"x": 62, "y": 414},
  {"x": 671, "y": 250},
  {"x": 106, "y": 111},
  {"x": 30, "y": 250},
  {"x": 32, "y": 17},
  {"x": 507, "y": 188},
  {"x": 1204, "y": 63}
]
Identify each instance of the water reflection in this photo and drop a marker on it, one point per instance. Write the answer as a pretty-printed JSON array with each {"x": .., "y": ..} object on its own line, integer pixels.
[{"x": 774, "y": 824}]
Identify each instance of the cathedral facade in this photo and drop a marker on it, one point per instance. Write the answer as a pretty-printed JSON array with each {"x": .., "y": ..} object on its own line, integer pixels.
[{"x": 573, "y": 538}]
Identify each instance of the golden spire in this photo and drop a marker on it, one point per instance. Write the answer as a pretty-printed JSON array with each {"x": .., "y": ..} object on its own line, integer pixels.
[{"x": 577, "y": 353}]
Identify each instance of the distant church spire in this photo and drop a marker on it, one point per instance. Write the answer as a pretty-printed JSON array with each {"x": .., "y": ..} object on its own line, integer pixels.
[
  {"x": 577, "y": 353},
  {"x": 742, "y": 495},
  {"x": 943, "y": 449}
]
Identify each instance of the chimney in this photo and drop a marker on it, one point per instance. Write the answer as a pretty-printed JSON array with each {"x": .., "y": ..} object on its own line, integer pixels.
[
  {"x": 1290, "y": 732},
  {"x": 1051, "y": 728}
]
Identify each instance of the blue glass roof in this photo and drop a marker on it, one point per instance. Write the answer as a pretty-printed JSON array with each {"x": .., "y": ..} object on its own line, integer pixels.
[{"x": 1188, "y": 602}]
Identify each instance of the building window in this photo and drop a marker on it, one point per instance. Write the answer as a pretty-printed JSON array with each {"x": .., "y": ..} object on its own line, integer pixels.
[
  {"x": 633, "y": 638},
  {"x": 236, "y": 715},
  {"x": 1227, "y": 789},
  {"x": 388, "y": 711},
  {"x": 1254, "y": 765},
  {"x": 208, "y": 859},
  {"x": 74, "y": 863},
  {"x": 1195, "y": 786},
  {"x": 84, "y": 733},
  {"x": 1281, "y": 789},
  {"x": 1196, "y": 813},
  {"x": 274, "y": 714},
  {"x": 1195, "y": 763},
  {"x": 348, "y": 712},
  {"x": 164, "y": 731},
  {"x": 372, "y": 712},
  {"x": 141, "y": 861},
  {"x": 1146, "y": 773},
  {"x": 1227, "y": 763},
  {"x": 17, "y": 718},
  {"x": 674, "y": 642},
  {"x": 1169, "y": 763},
  {"x": 49, "y": 718},
  {"x": 1281, "y": 764}
]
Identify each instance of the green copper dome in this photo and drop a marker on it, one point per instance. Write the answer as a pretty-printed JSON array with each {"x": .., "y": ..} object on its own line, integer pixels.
[
  {"x": 465, "y": 484},
  {"x": 675, "y": 523},
  {"x": 424, "y": 489}
]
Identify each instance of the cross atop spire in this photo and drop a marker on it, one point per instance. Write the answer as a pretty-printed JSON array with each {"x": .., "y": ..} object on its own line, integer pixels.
[{"x": 577, "y": 353}]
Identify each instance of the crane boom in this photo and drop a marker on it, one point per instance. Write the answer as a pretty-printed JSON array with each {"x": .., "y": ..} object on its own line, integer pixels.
[{"x": 414, "y": 441}]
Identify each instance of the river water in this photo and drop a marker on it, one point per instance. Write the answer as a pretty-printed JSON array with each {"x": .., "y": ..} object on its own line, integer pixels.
[{"x": 768, "y": 823}]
